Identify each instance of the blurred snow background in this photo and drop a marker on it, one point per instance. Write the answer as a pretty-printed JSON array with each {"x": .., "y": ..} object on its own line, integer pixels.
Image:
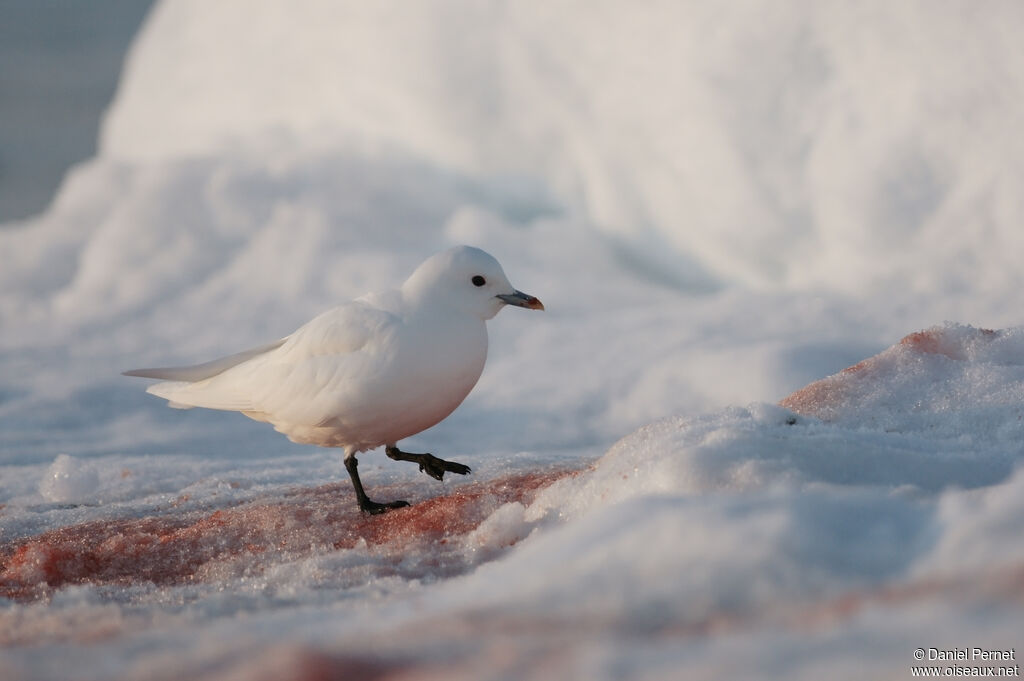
[
  {"x": 718, "y": 203},
  {"x": 59, "y": 66}
]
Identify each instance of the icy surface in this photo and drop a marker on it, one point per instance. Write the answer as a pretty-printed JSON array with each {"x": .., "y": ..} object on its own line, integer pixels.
[
  {"x": 711, "y": 457},
  {"x": 69, "y": 480}
]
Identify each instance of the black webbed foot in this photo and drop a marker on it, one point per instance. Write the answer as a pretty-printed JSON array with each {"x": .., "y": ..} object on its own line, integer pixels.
[
  {"x": 436, "y": 468},
  {"x": 429, "y": 464},
  {"x": 376, "y": 508}
]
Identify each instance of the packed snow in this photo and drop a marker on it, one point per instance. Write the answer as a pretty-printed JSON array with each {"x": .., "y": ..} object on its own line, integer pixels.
[{"x": 743, "y": 440}]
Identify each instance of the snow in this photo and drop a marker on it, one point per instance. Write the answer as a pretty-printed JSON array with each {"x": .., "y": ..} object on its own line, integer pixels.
[
  {"x": 712, "y": 456},
  {"x": 69, "y": 480},
  {"x": 702, "y": 137}
]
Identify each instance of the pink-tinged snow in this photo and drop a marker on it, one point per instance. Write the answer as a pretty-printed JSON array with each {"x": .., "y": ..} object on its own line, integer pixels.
[
  {"x": 720, "y": 207},
  {"x": 882, "y": 509},
  {"x": 177, "y": 547}
]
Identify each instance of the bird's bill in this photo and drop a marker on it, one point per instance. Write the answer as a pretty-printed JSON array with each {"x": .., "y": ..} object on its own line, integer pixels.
[{"x": 520, "y": 299}]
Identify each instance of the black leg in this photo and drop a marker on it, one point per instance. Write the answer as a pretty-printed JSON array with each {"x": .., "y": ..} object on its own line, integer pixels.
[
  {"x": 429, "y": 464},
  {"x": 365, "y": 505}
]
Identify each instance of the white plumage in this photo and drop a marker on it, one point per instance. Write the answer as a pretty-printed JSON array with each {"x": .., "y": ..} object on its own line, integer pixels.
[{"x": 367, "y": 373}]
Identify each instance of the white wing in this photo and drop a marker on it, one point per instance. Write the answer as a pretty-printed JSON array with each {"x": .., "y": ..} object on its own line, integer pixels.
[
  {"x": 327, "y": 368},
  {"x": 255, "y": 381}
]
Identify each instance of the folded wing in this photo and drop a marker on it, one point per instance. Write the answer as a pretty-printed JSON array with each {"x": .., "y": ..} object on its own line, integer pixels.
[
  {"x": 198, "y": 372},
  {"x": 287, "y": 375}
]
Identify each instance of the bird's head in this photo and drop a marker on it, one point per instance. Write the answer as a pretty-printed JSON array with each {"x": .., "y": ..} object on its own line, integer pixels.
[{"x": 466, "y": 279}]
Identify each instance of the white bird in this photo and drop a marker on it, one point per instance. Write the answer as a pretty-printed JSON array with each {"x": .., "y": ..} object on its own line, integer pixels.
[{"x": 369, "y": 372}]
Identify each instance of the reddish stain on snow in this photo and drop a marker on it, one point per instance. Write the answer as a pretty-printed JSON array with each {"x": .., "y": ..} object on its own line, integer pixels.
[
  {"x": 451, "y": 515},
  {"x": 197, "y": 546},
  {"x": 937, "y": 342},
  {"x": 822, "y": 397},
  {"x": 303, "y": 663},
  {"x": 1002, "y": 585},
  {"x": 542, "y": 645}
]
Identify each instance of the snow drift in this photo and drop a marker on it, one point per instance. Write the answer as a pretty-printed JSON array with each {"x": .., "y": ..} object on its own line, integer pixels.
[{"x": 782, "y": 144}]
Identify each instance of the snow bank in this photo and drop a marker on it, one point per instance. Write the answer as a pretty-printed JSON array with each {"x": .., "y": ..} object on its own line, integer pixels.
[
  {"x": 778, "y": 145},
  {"x": 943, "y": 407},
  {"x": 814, "y": 506}
]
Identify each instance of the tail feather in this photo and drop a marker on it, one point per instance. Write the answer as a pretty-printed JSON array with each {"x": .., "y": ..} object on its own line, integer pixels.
[
  {"x": 198, "y": 385},
  {"x": 185, "y": 395},
  {"x": 199, "y": 372}
]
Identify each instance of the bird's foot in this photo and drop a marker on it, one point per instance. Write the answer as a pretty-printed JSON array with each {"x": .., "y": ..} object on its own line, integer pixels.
[
  {"x": 376, "y": 508},
  {"x": 365, "y": 504},
  {"x": 429, "y": 464},
  {"x": 436, "y": 468}
]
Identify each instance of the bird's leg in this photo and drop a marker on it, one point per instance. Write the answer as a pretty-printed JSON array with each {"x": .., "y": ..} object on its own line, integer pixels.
[
  {"x": 365, "y": 504},
  {"x": 429, "y": 464}
]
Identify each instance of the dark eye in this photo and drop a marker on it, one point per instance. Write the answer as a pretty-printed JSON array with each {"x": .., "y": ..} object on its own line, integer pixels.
[{"x": 479, "y": 281}]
